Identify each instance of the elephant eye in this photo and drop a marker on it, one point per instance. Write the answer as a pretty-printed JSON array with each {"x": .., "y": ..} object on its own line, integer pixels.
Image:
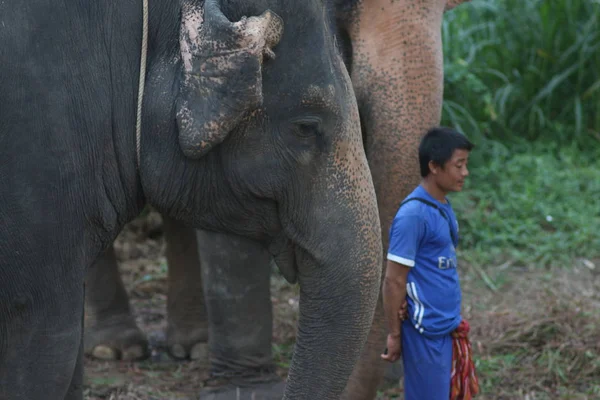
[{"x": 307, "y": 127}]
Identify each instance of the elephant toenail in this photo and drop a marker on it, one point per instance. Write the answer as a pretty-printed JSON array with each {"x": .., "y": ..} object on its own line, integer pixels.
[
  {"x": 199, "y": 352},
  {"x": 102, "y": 352},
  {"x": 178, "y": 351}
]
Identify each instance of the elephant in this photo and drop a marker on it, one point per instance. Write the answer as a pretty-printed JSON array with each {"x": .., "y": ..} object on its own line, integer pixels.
[
  {"x": 396, "y": 66},
  {"x": 393, "y": 53},
  {"x": 249, "y": 125}
]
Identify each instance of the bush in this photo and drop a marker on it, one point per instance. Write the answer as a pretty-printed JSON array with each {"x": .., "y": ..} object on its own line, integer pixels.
[{"x": 524, "y": 70}]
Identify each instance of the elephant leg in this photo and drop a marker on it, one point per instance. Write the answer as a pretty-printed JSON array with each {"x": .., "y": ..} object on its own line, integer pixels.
[
  {"x": 110, "y": 329},
  {"x": 397, "y": 74},
  {"x": 41, "y": 333},
  {"x": 187, "y": 331},
  {"x": 236, "y": 276},
  {"x": 75, "y": 391}
]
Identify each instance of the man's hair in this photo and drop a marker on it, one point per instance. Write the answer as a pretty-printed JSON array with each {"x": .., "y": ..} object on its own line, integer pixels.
[{"x": 438, "y": 145}]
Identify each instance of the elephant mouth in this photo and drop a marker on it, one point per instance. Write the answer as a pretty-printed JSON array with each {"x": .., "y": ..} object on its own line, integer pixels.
[{"x": 282, "y": 250}]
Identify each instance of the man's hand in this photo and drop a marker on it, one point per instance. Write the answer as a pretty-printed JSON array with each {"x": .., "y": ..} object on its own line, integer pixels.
[
  {"x": 403, "y": 311},
  {"x": 394, "y": 349}
]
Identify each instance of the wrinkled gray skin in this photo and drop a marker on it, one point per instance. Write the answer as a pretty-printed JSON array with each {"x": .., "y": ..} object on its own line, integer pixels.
[
  {"x": 246, "y": 130},
  {"x": 393, "y": 51}
]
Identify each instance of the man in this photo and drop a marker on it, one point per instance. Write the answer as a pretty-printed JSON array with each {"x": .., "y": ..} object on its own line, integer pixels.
[{"x": 432, "y": 337}]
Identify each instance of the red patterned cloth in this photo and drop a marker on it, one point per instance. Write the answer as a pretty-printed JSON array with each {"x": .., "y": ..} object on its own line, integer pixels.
[{"x": 463, "y": 383}]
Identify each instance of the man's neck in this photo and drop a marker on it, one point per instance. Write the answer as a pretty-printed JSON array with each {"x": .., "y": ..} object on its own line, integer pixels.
[{"x": 434, "y": 190}]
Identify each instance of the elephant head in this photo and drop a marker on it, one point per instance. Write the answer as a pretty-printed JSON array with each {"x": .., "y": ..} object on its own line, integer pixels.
[{"x": 270, "y": 148}]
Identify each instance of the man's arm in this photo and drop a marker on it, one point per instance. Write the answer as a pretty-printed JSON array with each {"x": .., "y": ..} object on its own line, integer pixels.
[
  {"x": 394, "y": 295},
  {"x": 405, "y": 234}
]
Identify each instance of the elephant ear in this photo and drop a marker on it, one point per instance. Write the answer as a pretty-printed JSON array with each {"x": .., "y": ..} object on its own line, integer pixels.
[{"x": 222, "y": 72}]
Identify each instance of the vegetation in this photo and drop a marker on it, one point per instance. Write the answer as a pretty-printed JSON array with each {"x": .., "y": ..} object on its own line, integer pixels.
[
  {"x": 532, "y": 208},
  {"x": 523, "y": 82},
  {"x": 524, "y": 70}
]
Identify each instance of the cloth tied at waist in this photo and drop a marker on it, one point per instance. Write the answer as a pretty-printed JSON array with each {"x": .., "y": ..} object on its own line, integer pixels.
[{"x": 464, "y": 384}]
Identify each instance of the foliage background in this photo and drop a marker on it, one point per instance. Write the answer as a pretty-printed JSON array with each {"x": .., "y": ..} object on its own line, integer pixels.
[{"x": 522, "y": 81}]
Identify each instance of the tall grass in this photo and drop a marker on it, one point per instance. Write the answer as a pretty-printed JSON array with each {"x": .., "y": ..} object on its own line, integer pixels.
[
  {"x": 522, "y": 80},
  {"x": 524, "y": 70}
]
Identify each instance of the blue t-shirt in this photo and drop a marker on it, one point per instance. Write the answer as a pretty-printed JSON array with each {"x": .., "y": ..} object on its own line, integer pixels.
[{"x": 420, "y": 238}]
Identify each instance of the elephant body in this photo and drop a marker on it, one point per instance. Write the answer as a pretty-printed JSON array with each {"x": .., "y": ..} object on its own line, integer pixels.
[
  {"x": 393, "y": 52},
  {"x": 249, "y": 126}
]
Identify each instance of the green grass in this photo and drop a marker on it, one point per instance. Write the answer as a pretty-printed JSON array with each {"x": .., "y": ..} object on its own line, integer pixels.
[
  {"x": 532, "y": 207},
  {"x": 491, "y": 368},
  {"x": 522, "y": 81}
]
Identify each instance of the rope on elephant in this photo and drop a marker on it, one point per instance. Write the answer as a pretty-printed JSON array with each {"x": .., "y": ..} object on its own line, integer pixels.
[
  {"x": 464, "y": 384},
  {"x": 138, "y": 125}
]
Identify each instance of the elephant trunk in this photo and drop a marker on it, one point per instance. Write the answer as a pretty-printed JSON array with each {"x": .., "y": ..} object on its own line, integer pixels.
[
  {"x": 337, "y": 301},
  {"x": 339, "y": 272}
]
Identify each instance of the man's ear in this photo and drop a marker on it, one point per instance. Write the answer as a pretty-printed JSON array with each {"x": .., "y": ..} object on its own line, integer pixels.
[{"x": 433, "y": 167}]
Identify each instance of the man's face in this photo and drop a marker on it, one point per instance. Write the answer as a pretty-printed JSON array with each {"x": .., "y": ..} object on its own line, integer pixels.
[{"x": 451, "y": 177}]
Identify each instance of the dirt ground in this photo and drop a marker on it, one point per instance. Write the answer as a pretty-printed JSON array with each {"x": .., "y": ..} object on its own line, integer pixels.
[{"x": 535, "y": 334}]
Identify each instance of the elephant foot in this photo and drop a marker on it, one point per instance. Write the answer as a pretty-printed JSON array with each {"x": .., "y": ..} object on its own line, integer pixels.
[
  {"x": 184, "y": 344},
  {"x": 117, "y": 338},
  {"x": 264, "y": 388}
]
